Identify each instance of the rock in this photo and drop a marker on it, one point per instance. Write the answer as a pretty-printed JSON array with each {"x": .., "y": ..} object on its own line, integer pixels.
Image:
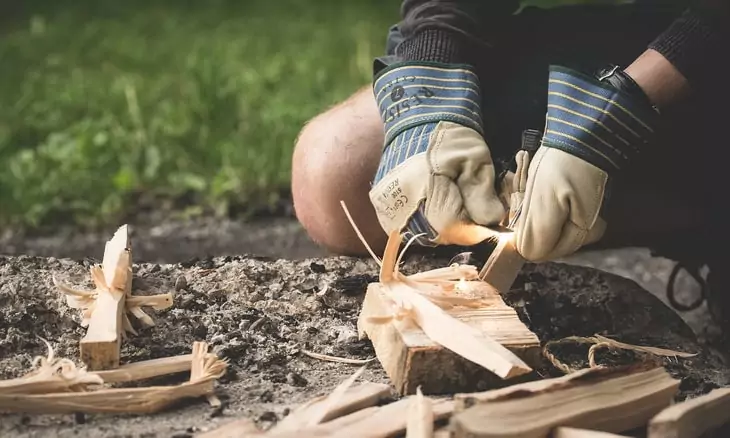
[
  {"x": 181, "y": 283},
  {"x": 345, "y": 335}
]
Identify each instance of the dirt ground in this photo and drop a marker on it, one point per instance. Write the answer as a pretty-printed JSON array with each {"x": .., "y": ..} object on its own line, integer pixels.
[{"x": 250, "y": 290}]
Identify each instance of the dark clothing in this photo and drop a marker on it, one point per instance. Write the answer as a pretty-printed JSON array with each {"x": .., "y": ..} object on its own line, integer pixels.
[
  {"x": 512, "y": 51},
  {"x": 463, "y": 31}
]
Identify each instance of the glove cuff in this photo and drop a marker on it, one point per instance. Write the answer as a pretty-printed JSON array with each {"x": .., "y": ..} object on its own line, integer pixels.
[
  {"x": 410, "y": 94},
  {"x": 598, "y": 122}
]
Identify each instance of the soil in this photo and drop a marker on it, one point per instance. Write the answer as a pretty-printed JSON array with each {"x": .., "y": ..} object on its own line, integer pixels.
[{"x": 251, "y": 291}]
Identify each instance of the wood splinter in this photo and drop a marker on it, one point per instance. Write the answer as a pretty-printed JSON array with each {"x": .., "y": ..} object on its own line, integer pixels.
[
  {"x": 503, "y": 264},
  {"x": 694, "y": 417},
  {"x": 104, "y": 310}
]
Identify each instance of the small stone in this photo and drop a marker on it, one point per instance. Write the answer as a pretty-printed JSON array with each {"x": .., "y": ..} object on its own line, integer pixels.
[
  {"x": 258, "y": 323},
  {"x": 268, "y": 416},
  {"x": 266, "y": 397},
  {"x": 295, "y": 379},
  {"x": 346, "y": 336},
  {"x": 308, "y": 285},
  {"x": 218, "y": 339},
  {"x": 312, "y": 330},
  {"x": 317, "y": 268},
  {"x": 181, "y": 283},
  {"x": 274, "y": 291},
  {"x": 244, "y": 324}
]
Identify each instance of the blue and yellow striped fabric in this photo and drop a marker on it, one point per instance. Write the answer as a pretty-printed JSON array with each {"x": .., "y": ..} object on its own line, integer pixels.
[
  {"x": 409, "y": 95},
  {"x": 595, "y": 121},
  {"x": 413, "y": 98}
]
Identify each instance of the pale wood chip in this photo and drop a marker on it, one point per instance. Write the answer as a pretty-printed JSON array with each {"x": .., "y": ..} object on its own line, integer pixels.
[{"x": 329, "y": 358}]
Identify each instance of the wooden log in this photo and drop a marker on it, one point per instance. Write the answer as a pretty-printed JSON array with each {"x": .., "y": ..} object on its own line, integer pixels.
[
  {"x": 464, "y": 401},
  {"x": 353, "y": 399},
  {"x": 608, "y": 400},
  {"x": 378, "y": 421},
  {"x": 100, "y": 348},
  {"x": 420, "y": 417},
  {"x": 147, "y": 369},
  {"x": 571, "y": 432},
  {"x": 241, "y": 428},
  {"x": 692, "y": 418},
  {"x": 503, "y": 264},
  {"x": 412, "y": 359}
]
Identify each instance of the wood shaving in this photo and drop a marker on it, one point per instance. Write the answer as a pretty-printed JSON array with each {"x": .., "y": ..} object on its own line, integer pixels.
[{"x": 329, "y": 358}]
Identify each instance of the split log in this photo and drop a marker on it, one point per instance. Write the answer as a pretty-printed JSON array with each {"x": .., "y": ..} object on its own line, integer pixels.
[
  {"x": 412, "y": 359},
  {"x": 692, "y": 418},
  {"x": 205, "y": 369},
  {"x": 101, "y": 345},
  {"x": 608, "y": 400},
  {"x": 467, "y": 400},
  {"x": 571, "y": 432},
  {"x": 420, "y": 417},
  {"x": 147, "y": 369},
  {"x": 241, "y": 428},
  {"x": 503, "y": 264},
  {"x": 353, "y": 399},
  {"x": 105, "y": 309},
  {"x": 384, "y": 421}
]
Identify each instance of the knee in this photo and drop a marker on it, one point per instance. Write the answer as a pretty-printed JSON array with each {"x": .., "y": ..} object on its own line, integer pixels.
[{"x": 335, "y": 158}]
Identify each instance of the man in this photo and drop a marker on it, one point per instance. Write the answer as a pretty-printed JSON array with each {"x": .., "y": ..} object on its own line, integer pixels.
[{"x": 630, "y": 100}]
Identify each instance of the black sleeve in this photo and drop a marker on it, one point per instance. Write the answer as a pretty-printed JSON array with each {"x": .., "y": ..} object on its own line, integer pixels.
[
  {"x": 698, "y": 43},
  {"x": 451, "y": 31}
]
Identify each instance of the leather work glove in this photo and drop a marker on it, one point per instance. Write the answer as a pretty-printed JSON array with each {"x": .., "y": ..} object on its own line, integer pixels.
[
  {"x": 595, "y": 128},
  {"x": 436, "y": 175}
]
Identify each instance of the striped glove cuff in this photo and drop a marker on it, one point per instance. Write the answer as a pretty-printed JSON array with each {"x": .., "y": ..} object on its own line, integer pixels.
[
  {"x": 410, "y": 94},
  {"x": 595, "y": 121}
]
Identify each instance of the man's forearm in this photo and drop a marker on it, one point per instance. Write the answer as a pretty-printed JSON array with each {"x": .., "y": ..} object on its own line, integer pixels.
[
  {"x": 690, "y": 56},
  {"x": 660, "y": 80}
]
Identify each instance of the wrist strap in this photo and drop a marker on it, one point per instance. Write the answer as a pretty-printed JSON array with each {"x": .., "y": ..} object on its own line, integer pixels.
[{"x": 614, "y": 75}]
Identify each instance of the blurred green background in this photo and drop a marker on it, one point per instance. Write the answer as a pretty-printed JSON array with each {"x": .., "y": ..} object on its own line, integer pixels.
[{"x": 194, "y": 105}]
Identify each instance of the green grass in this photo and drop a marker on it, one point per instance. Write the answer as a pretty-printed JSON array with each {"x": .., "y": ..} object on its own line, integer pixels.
[
  {"x": 104, "y": 103},
  {"x": 101, "y": 101}
]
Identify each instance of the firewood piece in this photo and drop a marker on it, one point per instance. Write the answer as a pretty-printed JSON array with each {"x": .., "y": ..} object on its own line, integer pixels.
[
  {"x": 442, "y": 432},
  {"x": 157, "y": 302},
  {"x": 503, "y": 265},
  {"x": 241, "y": 428},
  {"x": 571, "y": 432},
  {"x": 420, "y": 417},
  {"x": 385, "y": 421},
  {"x": 100, "y": 347},
  {"x": 147, "y": 369},
  {"x": 693, "y": 417},
  {"x": 353, "y": 399},
  {"x": 610, "y": 400},
  {"x": 466, "y": 400},
  {"x": 412, "y": 359},
  {"x": 206, "y": 368}
]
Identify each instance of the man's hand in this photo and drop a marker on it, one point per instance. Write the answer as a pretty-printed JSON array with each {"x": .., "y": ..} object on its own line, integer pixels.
[
  {"x": 595, "y": 128},
  {"x": 436, "y": 176}
]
